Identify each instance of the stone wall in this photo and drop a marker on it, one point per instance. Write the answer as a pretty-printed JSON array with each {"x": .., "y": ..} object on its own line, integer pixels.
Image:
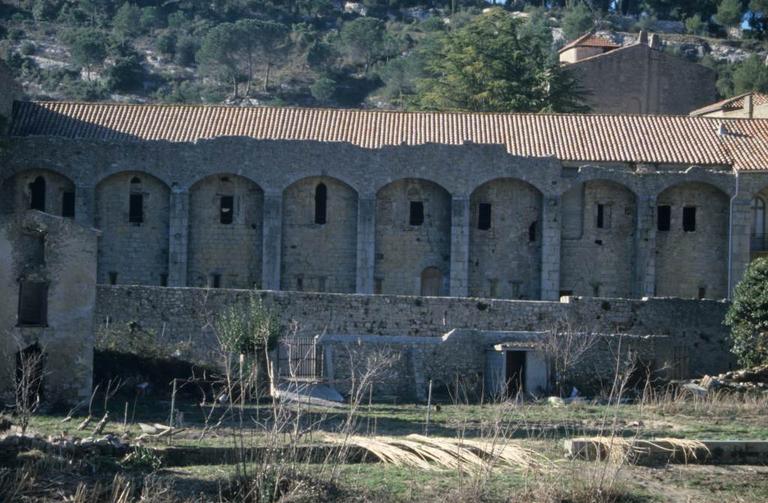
[
  {"x": 319, "y": 256},
  {"x": 230, "y": 250},
  {"x": 17, "y": 192},
  {"x": 693, "y": 263},
  {"x": 40, "y": 248},
  {"x": 132, "y": 252},
  {"x": 405, "y": 253},
  {"x": 598, "y": 260},
  {"x": 178, "y": 320},
  {"x": 505, "y": 258},
  {"x": 639, "y": 80}
]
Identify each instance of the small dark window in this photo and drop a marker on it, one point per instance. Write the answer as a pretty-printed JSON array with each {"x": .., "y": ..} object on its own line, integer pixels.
[
  {"x": 664, "y": 218},
  {"x": 33, "y": 303},
  {"x": 68, "y": 205},
  {"x": 226, "y": 209},
  {"x": 416, "y": 216},
  {"x": 596, "y": 290},
  {"x": 163, "y": 280},
  {"x": 532, "y": 233},
  {"x": 37, "y": 194},
  {"x": 321, "y": 284},
  {"x": 702, "y": 292},
  {"x": 216, "y": 280},
  {"x": 600, "y": 216},
  {"x": 136, "y": 209},
  {"x": 689, "y": 218},
  {"x": 378, "y": 284},
  {"x": 321, "y": 203},
  {"x": 300, "y": 283},
  {"x": 484, "y": 216},
  {"x": 112, "y": 278}
]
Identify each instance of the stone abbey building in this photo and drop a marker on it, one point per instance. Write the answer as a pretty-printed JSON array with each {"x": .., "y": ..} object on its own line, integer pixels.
[{"x": 511, "y": 207}]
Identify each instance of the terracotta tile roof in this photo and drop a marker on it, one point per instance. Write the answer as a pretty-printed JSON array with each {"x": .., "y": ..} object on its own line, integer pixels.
[
  {"x": 587, "y": 138},
  {"x": 733, "y": 103},
  {"x": 590, "y": 40}
]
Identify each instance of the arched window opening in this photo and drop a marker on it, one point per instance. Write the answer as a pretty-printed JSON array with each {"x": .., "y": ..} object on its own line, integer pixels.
[
  {"x": 37, "y": 194},
  {"x": 758, "y": 217},
  {"x": 321, "y": 203},
  {"x": 136, "y": 202},
  {"x": 431, "y": 282}
]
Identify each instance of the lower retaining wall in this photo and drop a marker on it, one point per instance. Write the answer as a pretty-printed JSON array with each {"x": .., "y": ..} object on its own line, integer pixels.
[{"x": 178, "y": 321}]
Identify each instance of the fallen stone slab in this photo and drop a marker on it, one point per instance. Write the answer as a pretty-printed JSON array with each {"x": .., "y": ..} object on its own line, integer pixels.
[{"x": 662, "y": 451}]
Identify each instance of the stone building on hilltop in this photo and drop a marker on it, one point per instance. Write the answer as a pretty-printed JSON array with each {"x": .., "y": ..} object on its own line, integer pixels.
[{"x": 637, "y": 79}]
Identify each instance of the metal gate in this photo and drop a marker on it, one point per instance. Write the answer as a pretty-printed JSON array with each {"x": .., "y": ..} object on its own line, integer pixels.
[{"x": 300, "y": 358}]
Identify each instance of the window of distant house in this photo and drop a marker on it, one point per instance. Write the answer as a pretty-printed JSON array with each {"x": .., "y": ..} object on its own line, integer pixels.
[
  {"x": 416, "y": 213},
  {"x": 68, "y": 204},
  {"x": 758, "y": 216},
  {"x": 321, "y": 203},
  {"x": 484, "y": 216},
  {"x": 663, "y": 218},
  {"x": 689, "y": 219},
  {"x": 33, "y": 303},
  {"x": 226, "y": 209},
  {"x": 37, "y": 194},
  {"x": 136, "y": 202}
]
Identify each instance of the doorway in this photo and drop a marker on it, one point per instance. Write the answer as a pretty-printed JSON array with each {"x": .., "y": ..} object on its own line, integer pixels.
[{"x": 515, "y": 373}]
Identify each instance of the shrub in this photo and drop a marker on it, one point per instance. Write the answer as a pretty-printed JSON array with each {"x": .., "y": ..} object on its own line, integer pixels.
[
  {"x": 127, "y": 74},
  {"x": 748, "y": 315},
  {"x": 28, "y": 48}
]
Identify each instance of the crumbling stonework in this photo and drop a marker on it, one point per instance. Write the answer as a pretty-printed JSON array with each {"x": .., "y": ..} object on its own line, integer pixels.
[{"x": 60, "y": 256}]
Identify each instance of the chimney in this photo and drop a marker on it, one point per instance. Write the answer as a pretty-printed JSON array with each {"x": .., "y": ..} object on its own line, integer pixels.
[
  {"x": 749, "y": 105},
  {"x": 655, "y": 42},
  {"x": 643, "y": 38},
  {"x": 721, "y": 131}
]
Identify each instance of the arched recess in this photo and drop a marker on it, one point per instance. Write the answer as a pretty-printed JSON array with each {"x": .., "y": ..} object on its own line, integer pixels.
[
  {"x": 692, "y": 241},
  {"x": 505, "y": 240},
  {"x": 757, "y": 231},
  {"x": 319, "y": 248},
  {"x": 39, "y": 189},
  {"x": 597, "y": 246},
  {"x": 132, "y": 213},
  {"x": 413, "y": 232},
  {"x": 226, "y": 217}
]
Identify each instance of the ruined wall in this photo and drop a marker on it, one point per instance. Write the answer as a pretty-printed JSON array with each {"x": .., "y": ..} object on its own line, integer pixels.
[
  {"x": 232, "y": 250},
  {"x": 505, "y": 259},
  {"x": 15, "y": 194},
  {"x": 176, "y": 319},
  {"x": 638, "y": 79},
  {"x": 55, "y": 251},
  {"x": 404, "y": 251},
  {"x": 598, "y": 260},
  {"x": 693, "y": 264},
  {"x": 132, "y": 252},
  {"x": 319, "y": 256}
]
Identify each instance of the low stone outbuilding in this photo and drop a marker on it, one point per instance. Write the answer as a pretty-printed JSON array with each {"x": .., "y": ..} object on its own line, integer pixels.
[{"x": 48, "y": 280}]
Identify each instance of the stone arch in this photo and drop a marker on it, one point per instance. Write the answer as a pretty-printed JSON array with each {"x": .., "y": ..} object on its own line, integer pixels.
[
  {"x": 597, "y": 249},
  {"x": 413, "y": 232},
  {"x": 132, "y": 250},
  {"x": 58, "y": 192},
  {"x": 505, "y": 240},
  {"x": 692, "y": 244},
  {"x": 319, "y": 229},
  {"x": 226, "y": 218}
]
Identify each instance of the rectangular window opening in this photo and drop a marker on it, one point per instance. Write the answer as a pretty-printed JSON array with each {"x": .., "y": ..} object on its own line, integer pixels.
[
  {"x": 136, "y": 209},
  {"x": 601, "y": 216},
  {"x": 702, "y": 292},
  {"x": 163, "y": 280},
  {"x": 689, "y": 218},
  {"x": 33, "y": 303},
  {"x": 416, "y": 216},
  {"x": 484, "y": 216},
  {"x": 378, "y": 284},
  {"x": 226, "y": 209},
  {"x": 321, "y": 284},
  {"x": 112, "y": 278},
  {"x": 215, "y": 280},
  {"x": 300, "y": 283},
  {"x": 532, "y": 233},
  {"x": 664, "y": 218},
  {"x": 68, "y": 205}
]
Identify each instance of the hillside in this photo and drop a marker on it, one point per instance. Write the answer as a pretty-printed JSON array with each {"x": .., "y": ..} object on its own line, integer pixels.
[{"x": 308, "y": 52}]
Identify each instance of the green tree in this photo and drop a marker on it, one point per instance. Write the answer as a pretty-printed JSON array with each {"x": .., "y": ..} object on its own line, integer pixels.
[
  {"x": 487, "y": 66},
  {"x": 695, "y": 26},
  {"x": 323, "y": 89},
  {"x": 218, "y": 55},
  {"x": 261, "y": 43},
  {"x": 577, "y": 21},
  {"x": 363, "y": 41},
  {"x": 748, "y": 315},
  {"x": 729, "y": 13},
  {"x": 126, "y": 75},
  {"x": 750, "y": 75},
  {"x": 88, "y": 48},
  {"x": 127, "y": 21}
]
